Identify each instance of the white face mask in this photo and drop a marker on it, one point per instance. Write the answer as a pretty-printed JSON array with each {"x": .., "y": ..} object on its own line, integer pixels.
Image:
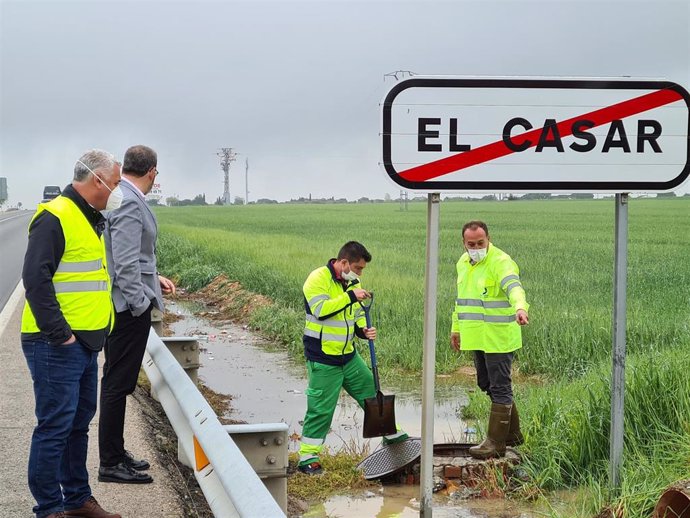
[
  {"x": 477, "y": 254},
  {"x": 116, "y": 196},
  {"x": 349, "y": 276}
]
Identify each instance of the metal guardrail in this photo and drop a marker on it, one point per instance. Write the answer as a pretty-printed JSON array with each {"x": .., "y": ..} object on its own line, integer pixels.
[{"x": 230, "y": 484}]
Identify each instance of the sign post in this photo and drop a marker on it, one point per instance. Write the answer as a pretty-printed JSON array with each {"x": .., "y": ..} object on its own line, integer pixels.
[
  {"x": 478, "y": 135},
  {"x": 3, "y": 190},
  {"x": 429, "y": 366},
  {"x": 618, "y": 356}
]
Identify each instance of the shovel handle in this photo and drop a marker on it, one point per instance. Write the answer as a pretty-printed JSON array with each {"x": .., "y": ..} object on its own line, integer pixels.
[{"x": 372, "y": 351}]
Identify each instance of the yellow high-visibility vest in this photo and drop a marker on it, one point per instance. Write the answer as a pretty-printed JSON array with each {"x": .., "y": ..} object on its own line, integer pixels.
[
  {"x": 328, "y": 321},
  {"x": 489, "y": 294},
  {"x": 82, "y": 283}
]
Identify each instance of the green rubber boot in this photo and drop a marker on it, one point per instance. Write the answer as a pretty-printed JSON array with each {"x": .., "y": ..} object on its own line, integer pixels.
[
  {"x": 495, "y": 443},
  {"x": 515, "y": 437}
]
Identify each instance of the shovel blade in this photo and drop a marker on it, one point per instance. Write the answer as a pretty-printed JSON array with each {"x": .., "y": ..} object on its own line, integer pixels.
[{"x": 379, "y": 416}]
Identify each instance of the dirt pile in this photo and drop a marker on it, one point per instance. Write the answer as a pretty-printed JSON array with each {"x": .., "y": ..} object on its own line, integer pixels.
[{"x": 230, "y": 300}]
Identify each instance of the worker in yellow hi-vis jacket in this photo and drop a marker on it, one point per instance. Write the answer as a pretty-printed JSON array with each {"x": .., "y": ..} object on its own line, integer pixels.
[
  {"x": 489, "y": 311},
  {"x": 333, "y": 319}
]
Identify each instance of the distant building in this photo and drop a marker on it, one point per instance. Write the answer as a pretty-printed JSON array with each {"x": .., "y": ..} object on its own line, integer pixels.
[
  {"x": 155, "y": 195},
  {"x": 3, "y": 190}
]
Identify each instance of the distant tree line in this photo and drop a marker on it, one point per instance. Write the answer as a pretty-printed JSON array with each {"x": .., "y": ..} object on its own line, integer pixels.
[
  {"x": 173, "y": 201},
  {"x": 200, "y": 199}
]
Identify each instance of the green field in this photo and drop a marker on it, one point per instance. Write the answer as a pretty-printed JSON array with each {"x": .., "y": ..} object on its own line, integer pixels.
[
  {"x": 564, "y": 250},
  {"x": 565, "y": 253}
]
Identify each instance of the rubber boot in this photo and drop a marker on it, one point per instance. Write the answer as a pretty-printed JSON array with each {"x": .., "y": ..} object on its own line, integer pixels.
[
  {"x": 495, "y": 443},
  {"x": 515, "y": 437}
]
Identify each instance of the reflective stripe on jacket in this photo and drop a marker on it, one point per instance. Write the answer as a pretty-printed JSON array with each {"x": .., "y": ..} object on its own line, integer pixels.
[
  {"x": 489, "y": 294},
  {"x": 331, "y": 312},
  {"x": 81, "y": 281}
]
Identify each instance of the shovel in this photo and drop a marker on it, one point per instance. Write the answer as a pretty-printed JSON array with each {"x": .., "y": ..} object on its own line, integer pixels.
[{"x": 379, "y": 411}]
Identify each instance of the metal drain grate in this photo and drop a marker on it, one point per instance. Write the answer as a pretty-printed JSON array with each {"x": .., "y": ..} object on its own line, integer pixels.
[{"x": 389, "y": 459}]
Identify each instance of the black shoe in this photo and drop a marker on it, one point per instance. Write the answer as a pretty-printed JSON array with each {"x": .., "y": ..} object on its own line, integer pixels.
[
  {"x": 139, "y": 465},
  {"x": 311, "y": 469},
  {"x": 123, "y": 474}
]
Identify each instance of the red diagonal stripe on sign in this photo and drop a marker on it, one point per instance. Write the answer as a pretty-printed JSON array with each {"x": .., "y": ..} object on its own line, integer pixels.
[{"x": 498, "y": 149}]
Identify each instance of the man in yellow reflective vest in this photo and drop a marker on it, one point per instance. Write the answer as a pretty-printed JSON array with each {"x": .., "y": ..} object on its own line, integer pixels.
[
  {"x": 333, "y": 319},
  {"x": 67, "y": 317},
  {"x": 490, "y": 309}
]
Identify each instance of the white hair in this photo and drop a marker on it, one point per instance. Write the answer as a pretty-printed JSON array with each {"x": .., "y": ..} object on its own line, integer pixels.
[{"x": 94, "y": 160}]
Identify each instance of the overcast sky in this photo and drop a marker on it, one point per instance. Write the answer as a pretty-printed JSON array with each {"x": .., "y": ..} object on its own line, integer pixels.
[{"x": 292, "y": 86}]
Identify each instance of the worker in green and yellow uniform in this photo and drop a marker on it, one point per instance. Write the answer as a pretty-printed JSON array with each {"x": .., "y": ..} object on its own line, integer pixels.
[
  {"x": 333, "y": 319},
  {"x": 490, "y": 308}
]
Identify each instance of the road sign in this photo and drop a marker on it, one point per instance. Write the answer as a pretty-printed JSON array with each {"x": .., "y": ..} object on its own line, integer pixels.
[
  {"x": 3, "y": 190},
  {"x": 494, "y": 134}
]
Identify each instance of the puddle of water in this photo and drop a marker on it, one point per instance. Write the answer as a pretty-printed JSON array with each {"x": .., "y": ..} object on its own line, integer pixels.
[
  {"x": 268, "y": 386},
  {"x": 402, "y": 502}
]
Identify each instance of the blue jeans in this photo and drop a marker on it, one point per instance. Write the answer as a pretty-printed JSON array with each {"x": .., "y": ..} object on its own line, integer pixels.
[{"x": 65, "y": 385}]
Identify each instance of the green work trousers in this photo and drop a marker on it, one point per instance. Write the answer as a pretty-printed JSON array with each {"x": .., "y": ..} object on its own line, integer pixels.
[{"x": 325, "y": 382}]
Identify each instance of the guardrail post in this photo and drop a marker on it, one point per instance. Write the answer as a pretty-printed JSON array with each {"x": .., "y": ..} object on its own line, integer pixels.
[
  {"x": 185, "y": 349},
  {"x": 265, "y": 446},
  {"x": 157, "y": 325},
  {"x": 157, "y": 321}
]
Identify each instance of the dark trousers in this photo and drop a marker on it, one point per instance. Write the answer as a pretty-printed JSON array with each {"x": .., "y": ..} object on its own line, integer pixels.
[
  {"x": 65, "y": 379},
  {"x": 493, "y": 375},
  {"x": 124, "y": 351}
]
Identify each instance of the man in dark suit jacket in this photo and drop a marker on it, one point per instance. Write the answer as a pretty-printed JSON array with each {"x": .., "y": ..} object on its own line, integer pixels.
[{"x": 137, "y": 288}]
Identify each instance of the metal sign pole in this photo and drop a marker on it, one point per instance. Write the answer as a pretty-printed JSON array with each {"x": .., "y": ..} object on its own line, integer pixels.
[
  {"x": 429, "y": 367},
  {"x": 619, "y": 325}
]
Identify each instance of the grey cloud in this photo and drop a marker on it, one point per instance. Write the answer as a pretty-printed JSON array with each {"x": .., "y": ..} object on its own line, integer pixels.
[{"x": 294, "y": 86}]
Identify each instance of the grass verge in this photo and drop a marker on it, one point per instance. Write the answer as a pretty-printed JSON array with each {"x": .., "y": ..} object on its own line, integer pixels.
[{"x": 340, "y": 476}]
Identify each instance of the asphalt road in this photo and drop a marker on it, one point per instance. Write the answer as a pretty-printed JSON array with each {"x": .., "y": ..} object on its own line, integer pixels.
[{"x": 13, "y": 238}]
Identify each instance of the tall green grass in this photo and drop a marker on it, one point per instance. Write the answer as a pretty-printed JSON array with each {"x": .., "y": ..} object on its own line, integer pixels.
[
  {"x": 564, "y": 250},
  {"x": 568, "y": 425}
]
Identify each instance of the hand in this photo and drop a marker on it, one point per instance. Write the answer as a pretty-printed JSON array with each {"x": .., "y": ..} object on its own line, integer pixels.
[
  {"x": 370, "y": 333},
  {"x": 521, "y": 317},
  {"x": 361, "y": 294},
  {"x": 455, "y": 341},
  {"x": 167, "y": 285},
  {"x": 71, "y": 340}
]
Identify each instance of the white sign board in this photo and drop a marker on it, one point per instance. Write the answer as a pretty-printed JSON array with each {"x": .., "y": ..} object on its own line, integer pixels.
[{"x": 493, "y": 134}]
